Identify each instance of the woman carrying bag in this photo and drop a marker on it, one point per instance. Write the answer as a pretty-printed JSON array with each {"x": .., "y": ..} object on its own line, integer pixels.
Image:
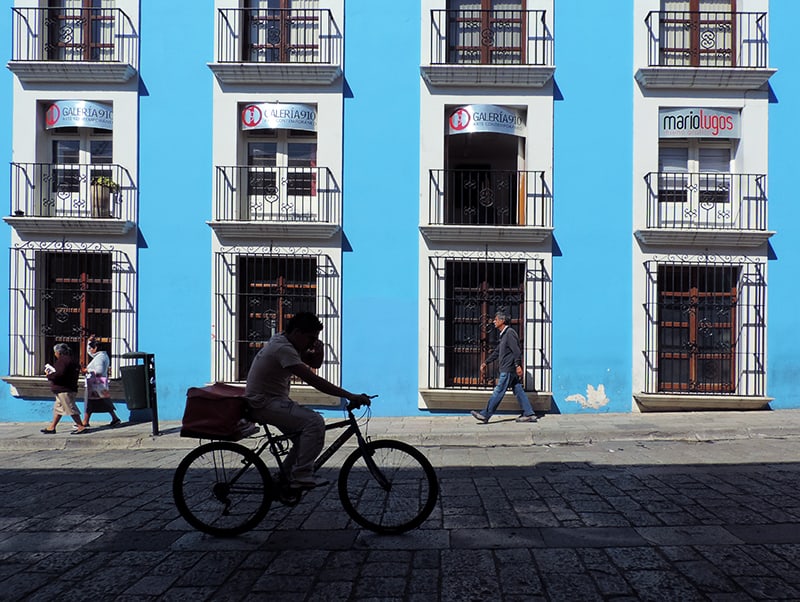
[{"x": 97, "y": 396}]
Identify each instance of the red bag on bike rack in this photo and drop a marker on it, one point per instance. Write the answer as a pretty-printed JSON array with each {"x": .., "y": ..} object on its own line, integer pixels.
[{"x": 213, "y": 412}]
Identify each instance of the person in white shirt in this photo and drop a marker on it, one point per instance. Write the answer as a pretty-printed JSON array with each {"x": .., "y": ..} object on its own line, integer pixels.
[{"x": 295, "y": 352}]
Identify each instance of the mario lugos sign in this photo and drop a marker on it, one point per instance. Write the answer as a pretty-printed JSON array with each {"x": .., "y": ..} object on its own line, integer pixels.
[
  {"x": 79, "y": 113},
  {"x": 698, "y": 123},
  {"x": 486, "y": 118},
  {"x": 279, "y": 116}
]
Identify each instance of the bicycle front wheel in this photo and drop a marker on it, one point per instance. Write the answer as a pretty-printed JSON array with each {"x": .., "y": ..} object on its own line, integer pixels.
[
  {"x": 222, "y": 489},
  {"x": 388, "y": 487}
]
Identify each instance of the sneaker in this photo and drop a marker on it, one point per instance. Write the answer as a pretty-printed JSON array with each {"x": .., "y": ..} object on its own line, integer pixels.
[
  {"x": 246, "y": 428},
  {"x": 309, "y": 482},
  {"x": 479, "y": 417},
  {"x": 523, "y": 418}
]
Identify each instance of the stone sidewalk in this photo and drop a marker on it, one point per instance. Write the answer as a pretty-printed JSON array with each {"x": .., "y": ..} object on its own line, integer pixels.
[{"x": 456, "y": 431}]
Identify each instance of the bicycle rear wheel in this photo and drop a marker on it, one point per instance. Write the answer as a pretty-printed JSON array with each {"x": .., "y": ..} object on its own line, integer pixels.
[
  {"x": 222, "y": 489},
  {"x": 407, "y": 495}
]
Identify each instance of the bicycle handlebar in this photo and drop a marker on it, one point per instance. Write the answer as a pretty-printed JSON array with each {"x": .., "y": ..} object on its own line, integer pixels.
[{"x": 354, "y": 405}]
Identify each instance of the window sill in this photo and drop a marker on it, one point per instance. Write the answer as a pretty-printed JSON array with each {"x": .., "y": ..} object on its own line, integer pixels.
[
  {"x": 304, "y": 395},
  {"x": 523, "y": 234},
  {"x": 69, "y": 71},
  {"x": 463, "y": 400},
  {"x": 709, "y": 78},
  {"x": 677, "y": 402},
  {"x": 703, "y": 237},
  {"x": 512, "y": 76},
  {"x": 291, "y": 230},
  {"x": 69, "y": 225},
  {"x": 276, "y": 73},
  {"x": 38, "y": 387}
]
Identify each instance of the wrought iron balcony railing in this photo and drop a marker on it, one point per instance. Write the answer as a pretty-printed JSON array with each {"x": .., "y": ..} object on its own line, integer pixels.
[
  {"x": 261, "y": 35},
  {"x": 100, "y": 190},
  {"x": 706, "y": 201},
  {"x": 490, "y": 37},
  {"x": 489, "y": 198},
  {"x": 706, "y": 39},
  {"x": 101, "y": 35},
  {"x": 276, "y": 194}
]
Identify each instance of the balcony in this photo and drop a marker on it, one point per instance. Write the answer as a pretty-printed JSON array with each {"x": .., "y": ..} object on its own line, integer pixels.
[
  {"x": 706, "y": 50},
  {"x": 706, "y": 208},
  {"x": 99, "y": 45},
  {"x": 488, "y": 205},
  {"x": 277, "y": 46},
  {"x": 71, "y": 198},
  {"x": 283, "y": 202},
  {"x": 490, "y": 48}
]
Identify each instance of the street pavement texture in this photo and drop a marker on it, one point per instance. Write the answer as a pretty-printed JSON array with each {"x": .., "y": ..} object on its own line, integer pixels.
[{"x": 667, "y": 506}]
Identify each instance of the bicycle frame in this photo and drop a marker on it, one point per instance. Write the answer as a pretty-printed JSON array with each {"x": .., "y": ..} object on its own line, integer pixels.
[{"x": 277, "y": 447}]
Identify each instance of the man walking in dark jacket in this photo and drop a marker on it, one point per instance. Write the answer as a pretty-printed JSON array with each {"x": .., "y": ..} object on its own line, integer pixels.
[{"x": 511, "y": 371}]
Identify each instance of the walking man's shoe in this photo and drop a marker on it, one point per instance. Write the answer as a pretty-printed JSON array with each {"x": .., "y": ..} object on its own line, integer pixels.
[
  {"x": 523, "y": 418},
  {"x": 479, "y": 417}
]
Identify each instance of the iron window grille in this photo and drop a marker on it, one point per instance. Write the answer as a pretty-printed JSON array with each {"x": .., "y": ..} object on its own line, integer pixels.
[
  {"x": 465, "y": 294},
  {"x": 63, "y": 293},
  {"x": 256, "y": 293},
  {"x": 705, "y": 327}
]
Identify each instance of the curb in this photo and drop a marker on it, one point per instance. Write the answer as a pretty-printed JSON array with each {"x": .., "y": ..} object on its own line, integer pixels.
[{"x": 454, "y": 431}]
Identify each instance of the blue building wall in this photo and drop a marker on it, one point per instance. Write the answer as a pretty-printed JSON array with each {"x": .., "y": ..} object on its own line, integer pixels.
[
  {"x": 783, "y": 329},
  {"x": 381, "y": 196},
  {"x": 176, "y": 182},
  {"x": 592, "y": 190},
  {"x": 592, "y": 204}
]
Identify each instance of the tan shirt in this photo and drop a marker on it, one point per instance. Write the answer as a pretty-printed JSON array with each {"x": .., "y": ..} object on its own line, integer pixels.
[{"x": 269, "y": 375}]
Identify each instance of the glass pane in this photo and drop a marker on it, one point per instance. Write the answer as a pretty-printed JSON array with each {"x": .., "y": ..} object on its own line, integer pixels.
[
  {"x": 673, "y": 372},
  {"x": 302, "y": 154},
  {"x": 66, "y": 151},
  {"x": 262, "y": 153},
  {"x": 715, "y": 160},
  {"x": 76, "y": 299},
  {"x": 673, "y": 160},
  {"x": 100, "y": 151},
  {"x": 474, "y": 293},
  {"x": 271, "y": 291},
  {"x": 674, "y": 339}
]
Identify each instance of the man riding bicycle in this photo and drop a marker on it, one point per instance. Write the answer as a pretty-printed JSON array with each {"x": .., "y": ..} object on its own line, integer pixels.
[{"x": 294, "y": 352}]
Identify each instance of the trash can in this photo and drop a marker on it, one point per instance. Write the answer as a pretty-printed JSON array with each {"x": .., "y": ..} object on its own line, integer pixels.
[{"x": 139, "y": 382}]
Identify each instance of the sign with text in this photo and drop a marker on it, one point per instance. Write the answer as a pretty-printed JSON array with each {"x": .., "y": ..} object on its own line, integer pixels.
[
  {"x": 486, "y": 118},
  {"x": 279, "y": 116},
  {"x": 79, "y": 113},
  {"x": 698, "y": 123}
]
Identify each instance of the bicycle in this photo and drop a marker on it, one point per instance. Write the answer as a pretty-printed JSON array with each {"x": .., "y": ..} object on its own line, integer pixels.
[{"x": 224, "y": 488}]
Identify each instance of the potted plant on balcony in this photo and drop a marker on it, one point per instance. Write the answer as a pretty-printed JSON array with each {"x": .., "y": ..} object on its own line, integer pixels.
[{"x": 102, "y": 189}]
